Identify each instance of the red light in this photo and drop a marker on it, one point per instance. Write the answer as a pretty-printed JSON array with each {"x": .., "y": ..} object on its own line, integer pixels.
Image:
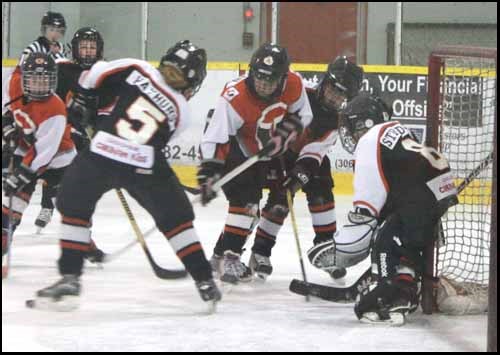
[{"x": 248, "y": 13}]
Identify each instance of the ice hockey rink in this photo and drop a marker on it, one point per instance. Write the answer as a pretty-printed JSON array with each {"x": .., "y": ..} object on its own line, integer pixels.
[{"x": 124, "y": 307}]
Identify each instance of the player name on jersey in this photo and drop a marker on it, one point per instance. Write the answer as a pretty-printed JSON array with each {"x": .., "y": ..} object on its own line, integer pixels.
[
  {"x": 392, "y": 135},
  {"x": 162, "y": 101}
]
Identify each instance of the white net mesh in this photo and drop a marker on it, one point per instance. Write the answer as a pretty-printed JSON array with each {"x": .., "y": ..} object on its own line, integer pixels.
[{"x": 466, "y": 138}]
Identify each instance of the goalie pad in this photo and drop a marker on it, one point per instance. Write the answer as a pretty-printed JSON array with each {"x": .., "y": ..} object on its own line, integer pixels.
[{"x": 350, "y": 245}]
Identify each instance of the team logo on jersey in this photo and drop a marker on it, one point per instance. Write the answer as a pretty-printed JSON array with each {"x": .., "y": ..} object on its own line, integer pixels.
[
  {"x": 268, "y": 60},
  {"x": 393, "y": 134}
]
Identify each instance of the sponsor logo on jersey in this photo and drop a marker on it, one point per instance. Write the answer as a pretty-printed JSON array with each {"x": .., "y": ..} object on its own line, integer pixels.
[
  {"x": 147, "y": 88},
  {"x": 121, "y": 150},
  {"x": 392, "y": 135},
  {"x": 442, "y": 186}
]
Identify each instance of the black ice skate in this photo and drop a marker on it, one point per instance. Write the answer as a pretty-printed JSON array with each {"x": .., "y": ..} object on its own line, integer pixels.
[
  {"x": 209, "y": 292},
  {"x": 43, "y": 218},
  {"x": 260, "y": 265},
  {"x": 62, "y": 296},
  {"x": 234, "y": 270}
]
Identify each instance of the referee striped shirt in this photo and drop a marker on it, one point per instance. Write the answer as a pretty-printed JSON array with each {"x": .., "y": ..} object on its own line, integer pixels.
[{"x": 42, "y": 44}]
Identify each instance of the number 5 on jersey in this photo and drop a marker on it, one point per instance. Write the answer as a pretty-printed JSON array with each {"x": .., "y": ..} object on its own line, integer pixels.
[{"x": 145, "y": 112}]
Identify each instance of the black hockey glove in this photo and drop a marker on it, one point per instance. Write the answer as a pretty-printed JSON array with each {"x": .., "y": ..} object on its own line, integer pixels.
[
  {"x": 286, "y": 133},
  {"x": 82, "y": 110},
  {"x": 10, "y": 132},
  {"x": 209, "y": 172},
  {"x": 297, "y": 178},
  {"x": 16, "y": 181},
  {"x": 80, "y": 139}
]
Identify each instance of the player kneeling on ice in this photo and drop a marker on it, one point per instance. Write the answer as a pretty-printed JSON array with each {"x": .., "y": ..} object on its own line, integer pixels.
[
  {"x": 401, "y": 189},
  {"x": 137, "y": 110}
]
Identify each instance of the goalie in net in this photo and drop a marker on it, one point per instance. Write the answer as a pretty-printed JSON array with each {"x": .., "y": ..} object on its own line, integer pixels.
[
  {"x": 460, "y": 125},
  {"x": 401, "y": 189}
]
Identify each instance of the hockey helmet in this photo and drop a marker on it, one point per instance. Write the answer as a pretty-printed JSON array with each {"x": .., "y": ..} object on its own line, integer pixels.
[
  {"x": 39, "y": 76},
  {"x": 358, "y": 116},
  {"x": 87, "y": 47},
  {"x": 184, "y": 67},
  {"x": 268, "y": 71}
]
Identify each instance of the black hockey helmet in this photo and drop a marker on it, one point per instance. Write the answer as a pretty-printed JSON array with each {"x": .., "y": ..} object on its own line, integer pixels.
[
  {"x": 359, "y": 115},
  {"x": 184, "y": 67},
  {"x": 91, "y": 35},
  {"x": 39, "y": 74},
  {"x": 344, "y": 78},
  {"x": 53, "y": 19},
  {"x": 268, "y": 71}
]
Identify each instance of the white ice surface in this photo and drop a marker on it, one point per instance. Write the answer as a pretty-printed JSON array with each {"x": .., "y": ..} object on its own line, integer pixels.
[{"x": 125, "y": 308}]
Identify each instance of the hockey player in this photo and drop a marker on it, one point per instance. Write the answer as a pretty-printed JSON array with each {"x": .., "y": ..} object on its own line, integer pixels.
[
  {"x": 135, "y": 109},
  {"x": 401, "y": 189},
  {"x": 34, "y": 122},
  {"x": 308, "y": 166},
  {"x": 270, "y": 104},
  {"x": 88, "y": 48},
  {"x": 53, "y": 28}
]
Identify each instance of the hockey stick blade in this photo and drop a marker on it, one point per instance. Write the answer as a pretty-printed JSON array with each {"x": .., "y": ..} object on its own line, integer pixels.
[
  {"x": 116, "y": 254},
  {"x": 165, "y": 274},
  {"x": 332, "y": 293}
]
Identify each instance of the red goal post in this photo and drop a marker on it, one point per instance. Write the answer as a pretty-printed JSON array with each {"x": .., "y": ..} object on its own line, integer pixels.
[{"x": 462, "y": 124}]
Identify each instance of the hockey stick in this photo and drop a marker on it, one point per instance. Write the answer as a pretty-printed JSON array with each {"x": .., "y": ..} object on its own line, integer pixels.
[
  {"x": 349, "y": 294},
  {"x": 331, "y": 293},
  {"x": 296, "y": 235},
  {"x": 10, "y": 228},
  {"x": 474, "y": 173},
  {"x": 113, "y": 256},
  {"x": 160, "y": 272},
  {"x": 294, "y": 226},
  {"x": 239, "y": 169}
]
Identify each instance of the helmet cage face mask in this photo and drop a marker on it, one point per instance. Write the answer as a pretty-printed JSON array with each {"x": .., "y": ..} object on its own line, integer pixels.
[
  {"x": 347, "y": 139},
  {"x": 359, "y": 116},
  {"x": 268, "y": 72},
  {"x": 265, "y": 85},
  {"x": 351, "y": 129},
  {"x": 39, "y": 85},
  {"x": 87, "y": 47},
  {"x": 332, "y": 95}
]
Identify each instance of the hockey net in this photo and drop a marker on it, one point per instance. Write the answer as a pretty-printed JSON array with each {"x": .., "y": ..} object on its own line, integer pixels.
[{"x": 462, "y": 126}]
